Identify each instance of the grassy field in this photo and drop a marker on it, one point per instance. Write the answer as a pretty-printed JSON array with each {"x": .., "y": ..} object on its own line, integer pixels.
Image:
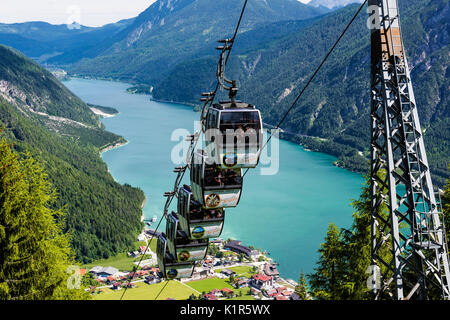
[
  {"x": 120, "y": 261},
  {"x": 240, "y": 271},
  {"x": 143, "y": 291},
  {"x": 215, "y": 283}
]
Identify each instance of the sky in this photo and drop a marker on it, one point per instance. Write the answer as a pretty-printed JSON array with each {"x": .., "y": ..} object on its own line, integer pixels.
[{"x": 91, "y": 13}]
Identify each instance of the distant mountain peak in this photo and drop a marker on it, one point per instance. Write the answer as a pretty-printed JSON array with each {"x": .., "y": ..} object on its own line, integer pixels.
[{"x": 332, "y": 4}]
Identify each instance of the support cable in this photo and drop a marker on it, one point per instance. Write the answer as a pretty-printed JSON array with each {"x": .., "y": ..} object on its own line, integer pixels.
[
  {"x": 182, "y": 171},
  {"x": 167, "y": 282},
  {"x": 312, "y": 77}
]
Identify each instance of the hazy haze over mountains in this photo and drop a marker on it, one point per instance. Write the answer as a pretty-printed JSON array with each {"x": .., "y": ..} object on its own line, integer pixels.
[{"x": 331, "y": 4}]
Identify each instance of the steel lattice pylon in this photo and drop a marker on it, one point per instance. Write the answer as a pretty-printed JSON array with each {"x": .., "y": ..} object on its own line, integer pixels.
[{"x": 409, "y": 247}]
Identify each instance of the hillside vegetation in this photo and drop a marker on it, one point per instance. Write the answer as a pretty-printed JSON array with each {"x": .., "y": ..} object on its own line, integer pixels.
[
  {"x": 34, "y": 252},
  {"x": 102, "y": 215},
  {"x": 333, "y": 115},
  {"x": 169, "y": 32}
]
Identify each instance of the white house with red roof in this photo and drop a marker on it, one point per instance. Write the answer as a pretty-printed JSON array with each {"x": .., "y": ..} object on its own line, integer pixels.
[{"x": 261, "y": 281}]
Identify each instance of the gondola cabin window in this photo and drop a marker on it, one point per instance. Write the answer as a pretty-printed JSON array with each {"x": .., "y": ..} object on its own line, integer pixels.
[
  {"x": 219, "y": 178},
  {"x": 244, "y": 120}
]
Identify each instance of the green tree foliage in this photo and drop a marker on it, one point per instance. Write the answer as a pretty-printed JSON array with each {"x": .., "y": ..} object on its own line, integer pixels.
[
  {"x": 327, "y": 280},
  {"x": 357, "y": 245},
  {"x": 333, "y": 115},
  {"x": 34, "y": 90},
  {"x": 345, "y": 256},
  {"x": 34, "y": 81},
  {"x": 181, "y": 30},
  {"x": 342, "y": 269},
  {"x": 34, "y": 251},
  {"x": 302, "y": 287},
  {"x": 103, "y": 215}
]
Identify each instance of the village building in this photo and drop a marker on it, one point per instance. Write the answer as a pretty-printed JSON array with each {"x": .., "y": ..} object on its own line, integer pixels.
[
  {"x": 154, "y": 270},
  {"x": 116, "y": 286},
  {"x": 241, "y": 283},
  {"x": 209, "y": 296},
  {"x": 144, "y": 250},
  {"x": 216, "y": 292},
  {"x": 153, "y": 233},
  {"x": 236, "y": 246},
  {"x": 217, "y": 242},
  {"x": 208, "y": 262},
  {"x": 110, "y": 280},
  {"x": 271, "y": 270},
  {"x": 227, "y": 292},
  {"x": 203, "y": 274},
  {"x": 104, "y": 272},
  {"x": 272, "y": 293},
  {"x": 261, "y": 281},
  {"x": 152, "y": 279},
  {"x": 228, "y": 272}
]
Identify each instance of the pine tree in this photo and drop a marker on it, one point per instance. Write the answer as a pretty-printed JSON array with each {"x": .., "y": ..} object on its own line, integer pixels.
[
  {"x": 358, "y": 246},
  {"x": 346, "y": 255},
  {"x": 327, "y": 279},
  {"x": 34, "y": 253},
  {"x": 302, "y": 287}
]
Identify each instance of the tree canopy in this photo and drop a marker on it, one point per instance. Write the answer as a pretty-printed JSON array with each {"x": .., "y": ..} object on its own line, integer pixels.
[{"x": 35, "y": 254}]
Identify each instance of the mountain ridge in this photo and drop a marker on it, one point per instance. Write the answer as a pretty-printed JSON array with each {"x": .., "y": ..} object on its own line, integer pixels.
[
  {"x": 335, "y": 109},
  {"x": 187, "y": 25}
]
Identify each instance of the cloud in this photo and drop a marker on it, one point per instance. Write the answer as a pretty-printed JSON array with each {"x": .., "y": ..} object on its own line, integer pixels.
[{"x": 86, "y": 12}]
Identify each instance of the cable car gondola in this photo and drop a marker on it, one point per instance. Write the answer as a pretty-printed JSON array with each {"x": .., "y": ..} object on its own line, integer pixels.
[
  {"x": 195, "y": 221},
  {"x": 234, "y": 134},
  {"x": 169, "y": 267},
  {"x": 212, "y": 186},
  {"x": 179, "y": 244}
]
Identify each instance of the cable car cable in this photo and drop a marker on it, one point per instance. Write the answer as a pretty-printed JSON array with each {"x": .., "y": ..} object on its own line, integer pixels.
[
  {"x": 232, "y": 40},
  {"x": 167, "y": 282},
  {"x": 313, "y": 76},
  {"x": 135, "y": 269},
  {"x": 169, "y": 200}
]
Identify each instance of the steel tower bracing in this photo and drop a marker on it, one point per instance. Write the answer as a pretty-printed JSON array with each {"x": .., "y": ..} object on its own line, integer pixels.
[{"x": 409, "y": 248}]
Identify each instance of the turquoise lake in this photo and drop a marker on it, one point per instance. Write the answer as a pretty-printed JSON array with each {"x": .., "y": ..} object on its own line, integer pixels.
[{"x": 286, "y": 214}]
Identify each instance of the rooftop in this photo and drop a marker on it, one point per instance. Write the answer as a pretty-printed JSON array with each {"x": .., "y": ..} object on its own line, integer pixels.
[
  {"x": 106, "y": 270},
  {"x": 261, "y": 277},
  {"x": 236, "y": 245},
  {"x": 271, "y": 270}
]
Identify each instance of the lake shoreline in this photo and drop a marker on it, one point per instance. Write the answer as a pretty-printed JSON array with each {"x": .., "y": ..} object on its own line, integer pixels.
[
  {"x": 145, "y": 163},
  {"x": 286, "y": 136},
  {"x": 114, "y": 146},
  {"x": 101, "y": 113}
]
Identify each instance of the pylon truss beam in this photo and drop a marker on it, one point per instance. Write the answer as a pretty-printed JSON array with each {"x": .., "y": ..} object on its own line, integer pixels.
[{"x": 408, "y": 236}]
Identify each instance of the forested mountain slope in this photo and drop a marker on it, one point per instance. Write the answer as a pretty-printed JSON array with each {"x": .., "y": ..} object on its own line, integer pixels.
[
  {"x": 39, "y": 115},
  {"x": 335, "y": 109},
  {"x": 38, "y": 94},
  {"x": 170, "y": 31},
  {"x": 60, "y": 44}
]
